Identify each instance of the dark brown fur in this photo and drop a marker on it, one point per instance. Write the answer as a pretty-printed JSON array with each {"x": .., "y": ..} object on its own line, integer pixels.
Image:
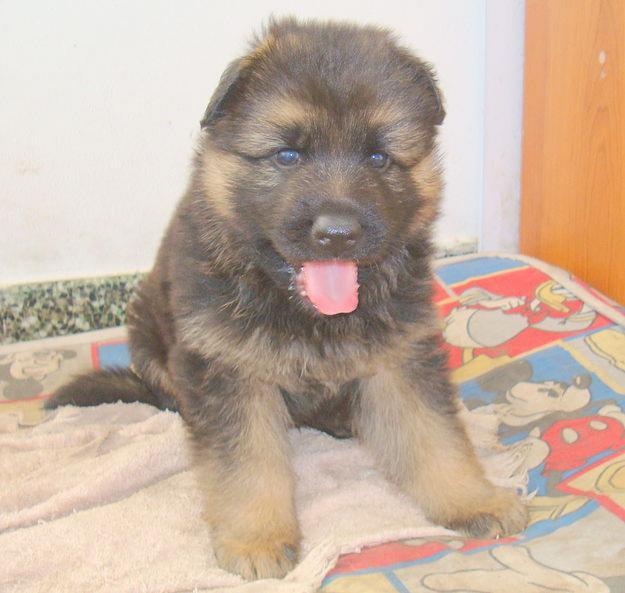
[{"x": 219, "y": 331}]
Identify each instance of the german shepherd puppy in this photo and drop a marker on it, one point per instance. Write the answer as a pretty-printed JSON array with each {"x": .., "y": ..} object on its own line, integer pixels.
[{"x": 293, "y": 288}]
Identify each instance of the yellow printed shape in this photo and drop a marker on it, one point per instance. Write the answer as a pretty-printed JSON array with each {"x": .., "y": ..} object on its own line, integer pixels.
[
  {"x": 606, "y": 482},
  {"x": 592, "y": 366},
  {"x": 29, "y": 412},
  {"x": 542, "y": 508},
  {"x": 364, "y": 583},
  {"x": 609, "y": 344}
]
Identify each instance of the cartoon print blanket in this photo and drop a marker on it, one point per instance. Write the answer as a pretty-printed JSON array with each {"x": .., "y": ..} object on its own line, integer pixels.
[{"x": 536, "y": 352}]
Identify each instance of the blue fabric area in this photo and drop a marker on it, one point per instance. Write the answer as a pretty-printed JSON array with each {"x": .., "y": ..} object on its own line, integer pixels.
[
  {"x": 114, "y": 356},
  {"x": 480, "y": 266}
]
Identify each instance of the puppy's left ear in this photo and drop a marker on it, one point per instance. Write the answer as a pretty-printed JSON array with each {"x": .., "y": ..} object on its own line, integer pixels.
[
  {"x": 228, "y": 84},
  {"x": 423, "y": 75},
  {"x": 426, "y": 79}
]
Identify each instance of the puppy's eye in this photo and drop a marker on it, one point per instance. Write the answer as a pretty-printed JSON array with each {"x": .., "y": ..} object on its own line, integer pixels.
[
  {"x": 379, "y": 160},
  {"x": 287, "y": 157}
]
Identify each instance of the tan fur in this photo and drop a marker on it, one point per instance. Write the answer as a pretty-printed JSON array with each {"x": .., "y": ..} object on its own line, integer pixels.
[
  {"x": 385, "y": 114},
  {"x": 218, "y": 169},
  {"x": 156, "y": 374},
  {"x": 287, "y": 111},
  {"x": 255, "y": 354},
  {"x": 428, "y": 179},
  {"x": 404, "y": 141},
  {"x": 429, "y": 456},
  {"x": 262, "y": 47},
  {"x": 249, "y": 499}
]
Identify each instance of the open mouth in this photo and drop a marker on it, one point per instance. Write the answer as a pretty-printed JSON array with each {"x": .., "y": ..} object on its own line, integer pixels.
[{"x": 330, "y": 285}]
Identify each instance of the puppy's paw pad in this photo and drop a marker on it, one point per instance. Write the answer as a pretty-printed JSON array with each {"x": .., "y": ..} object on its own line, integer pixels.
[
  {"x": 479, "y": 525},
  {"x": 501, "y": 515},
  {"x": 260, "y": 560}
]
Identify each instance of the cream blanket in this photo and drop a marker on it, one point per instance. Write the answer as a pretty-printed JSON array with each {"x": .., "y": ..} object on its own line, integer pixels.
[{"x": 102, "y": 500}]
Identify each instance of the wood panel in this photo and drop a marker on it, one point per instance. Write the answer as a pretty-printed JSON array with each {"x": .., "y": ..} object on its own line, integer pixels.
[{"x": 573, "y": 182}]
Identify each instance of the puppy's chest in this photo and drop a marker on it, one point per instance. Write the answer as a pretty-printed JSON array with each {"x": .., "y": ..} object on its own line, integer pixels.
[
  {"x": 318, "y": 369},
  {"x": 291, "y": 361}
]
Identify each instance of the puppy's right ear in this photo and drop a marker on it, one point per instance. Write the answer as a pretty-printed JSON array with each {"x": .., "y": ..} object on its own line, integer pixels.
[{"x": 228, "y": 84}]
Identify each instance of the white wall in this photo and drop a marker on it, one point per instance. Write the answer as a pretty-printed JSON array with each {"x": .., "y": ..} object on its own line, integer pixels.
[
  {"x": 100, "y": 104},
  {"x": 503, "y": 110}
]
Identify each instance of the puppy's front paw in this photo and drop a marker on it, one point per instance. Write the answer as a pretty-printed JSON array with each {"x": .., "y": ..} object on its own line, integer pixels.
[
  {"x": 257, "y": 558},
  {"x": 501, "y": 513}
]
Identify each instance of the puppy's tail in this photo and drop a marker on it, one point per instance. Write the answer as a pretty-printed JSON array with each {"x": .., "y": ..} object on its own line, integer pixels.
[{"x": 107, "y": 386}]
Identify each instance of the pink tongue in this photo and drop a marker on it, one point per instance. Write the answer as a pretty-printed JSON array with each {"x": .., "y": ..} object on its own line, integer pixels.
[{"x": 332, "y": 286}]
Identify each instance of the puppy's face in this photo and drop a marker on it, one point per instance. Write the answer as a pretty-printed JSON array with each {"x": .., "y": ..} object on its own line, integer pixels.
[{"x": 320, "y": 154}]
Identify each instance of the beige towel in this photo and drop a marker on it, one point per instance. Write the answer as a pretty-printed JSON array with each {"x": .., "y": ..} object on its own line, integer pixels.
[{"x": 102, "y": 500}]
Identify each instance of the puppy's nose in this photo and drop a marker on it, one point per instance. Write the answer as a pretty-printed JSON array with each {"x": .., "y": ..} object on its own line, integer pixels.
[{"x": 336, "y": 233}]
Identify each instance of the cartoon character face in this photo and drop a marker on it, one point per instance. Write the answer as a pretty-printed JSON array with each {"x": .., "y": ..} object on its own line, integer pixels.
[
  {"x": 34, "y": 365},
  {"x": 22, "y": 373},
  {"x": 528, "y": 401}
]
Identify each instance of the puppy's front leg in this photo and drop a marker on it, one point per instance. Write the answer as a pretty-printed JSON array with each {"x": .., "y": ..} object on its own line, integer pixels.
[
  {"x": 238, "y": 427},
  {"x": 408, "y": 418}
]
